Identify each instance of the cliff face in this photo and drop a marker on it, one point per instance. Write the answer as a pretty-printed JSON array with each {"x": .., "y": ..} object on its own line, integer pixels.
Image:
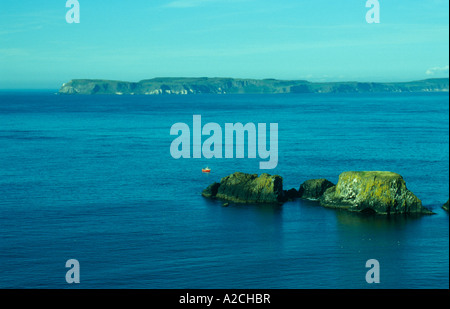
[
  {"x": 93, "y": 86},
  {"x": 158, "y": 86},
  {"x": 378, "y": 192}
]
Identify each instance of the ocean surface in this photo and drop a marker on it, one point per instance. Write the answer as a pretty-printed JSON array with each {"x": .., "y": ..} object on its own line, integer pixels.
[{"x": 92, "y": 178}]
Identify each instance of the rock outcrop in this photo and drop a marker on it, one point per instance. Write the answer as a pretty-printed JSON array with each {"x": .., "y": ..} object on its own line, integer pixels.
[
  {"x": 291, "y": 194},
  {"x": 374, "y": 192},
  {"x": 211, "y": 190},
  {"x": 445, "y": 206},
  {"x": 313, "y": 189},
  {"x": 366, "y": 192},
  {"x": 248, "y": 188}
]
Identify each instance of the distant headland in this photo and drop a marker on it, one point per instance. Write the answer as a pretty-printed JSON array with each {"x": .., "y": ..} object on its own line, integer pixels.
[{"x": 205, "y": 85}]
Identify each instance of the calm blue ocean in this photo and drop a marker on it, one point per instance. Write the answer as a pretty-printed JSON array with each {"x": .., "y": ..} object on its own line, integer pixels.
[{"x": 91, "y": 178}]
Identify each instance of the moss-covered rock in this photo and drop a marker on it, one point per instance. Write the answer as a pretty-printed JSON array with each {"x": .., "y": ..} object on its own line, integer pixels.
[
  {"x": 248, "y": 188},
  {"x": 374, "y": 191},
  {"x": 211, "y": 190},
  {"x": 445, "y": 206},
  {"x": 313, "y": 189}
]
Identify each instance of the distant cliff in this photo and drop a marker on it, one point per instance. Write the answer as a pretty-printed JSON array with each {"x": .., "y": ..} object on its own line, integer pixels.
[{"x": 157, "y": 86}]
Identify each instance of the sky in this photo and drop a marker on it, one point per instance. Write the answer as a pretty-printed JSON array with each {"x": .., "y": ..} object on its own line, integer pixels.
[{"x": 315, "y": 40}]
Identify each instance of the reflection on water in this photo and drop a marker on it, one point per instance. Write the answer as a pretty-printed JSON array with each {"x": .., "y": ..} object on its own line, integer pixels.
[{"x": 374, "y": 221}]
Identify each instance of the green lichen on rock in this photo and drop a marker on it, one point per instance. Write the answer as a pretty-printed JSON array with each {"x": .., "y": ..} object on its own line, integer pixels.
[
  {"x": 373, "y": 191},
  {"x": 313, "y": 189},
  {"x": 445, "y": 206},
  {"x": 248, "y": 188}
]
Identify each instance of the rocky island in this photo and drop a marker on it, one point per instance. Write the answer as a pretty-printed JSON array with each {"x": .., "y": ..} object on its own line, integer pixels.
[
  {"x": 186, "y": 86},
  {"x": 248, "y": 188},
  {"x": 377, "y": 192}
]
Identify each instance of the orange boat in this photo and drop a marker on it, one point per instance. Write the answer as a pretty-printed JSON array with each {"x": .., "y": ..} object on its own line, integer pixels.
[{"x": 206, "y": 170}]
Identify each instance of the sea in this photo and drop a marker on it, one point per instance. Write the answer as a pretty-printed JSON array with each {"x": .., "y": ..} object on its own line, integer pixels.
[{"x": 92, "y": 178}]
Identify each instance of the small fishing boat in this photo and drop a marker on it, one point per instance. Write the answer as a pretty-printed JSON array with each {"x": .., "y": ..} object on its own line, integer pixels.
[{"x": 206, "y": 170}]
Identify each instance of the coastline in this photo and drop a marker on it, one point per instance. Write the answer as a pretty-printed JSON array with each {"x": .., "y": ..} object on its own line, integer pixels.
[{"x": 223, "y": 86}]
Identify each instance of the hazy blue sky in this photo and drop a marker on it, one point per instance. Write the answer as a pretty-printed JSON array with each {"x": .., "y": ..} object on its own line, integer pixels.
[{"x": 317, "y": 40}]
